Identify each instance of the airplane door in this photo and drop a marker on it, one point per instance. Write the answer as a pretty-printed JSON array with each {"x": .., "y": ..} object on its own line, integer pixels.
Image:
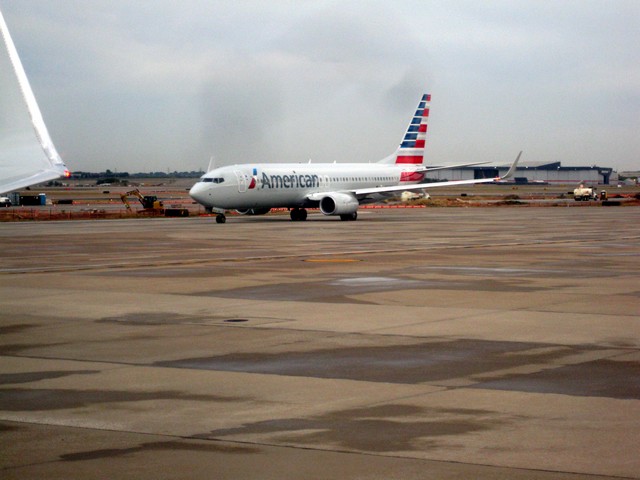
[{"x": 242, "y": 181}]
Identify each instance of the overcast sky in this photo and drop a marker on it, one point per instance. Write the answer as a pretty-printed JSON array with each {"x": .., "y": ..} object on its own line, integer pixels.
[{"x": 157, "y": 85}]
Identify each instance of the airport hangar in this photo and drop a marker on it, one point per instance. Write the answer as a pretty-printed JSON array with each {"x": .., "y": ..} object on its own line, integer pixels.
[{"x": 529, "y": 172}]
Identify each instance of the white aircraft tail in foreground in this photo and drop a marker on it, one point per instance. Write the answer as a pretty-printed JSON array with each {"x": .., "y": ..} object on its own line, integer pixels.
[
  {"x": 334, "y": 188},
  {"x": 27, "y": 154}
]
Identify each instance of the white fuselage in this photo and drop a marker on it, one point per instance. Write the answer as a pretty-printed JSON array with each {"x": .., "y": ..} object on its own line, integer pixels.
[{"x": 289, "y": 185}]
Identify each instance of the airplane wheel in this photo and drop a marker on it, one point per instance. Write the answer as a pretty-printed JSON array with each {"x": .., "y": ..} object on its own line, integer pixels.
[
  {"x": 220, "y": 218},
  {"x": 298, "y": 215},
  {"x": 349, "y": 217}
]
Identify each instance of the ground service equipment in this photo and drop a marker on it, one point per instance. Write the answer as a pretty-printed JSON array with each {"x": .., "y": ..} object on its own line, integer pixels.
[
  {"x": 585, "y": 193},
  {"x": 149, "y": 202}
]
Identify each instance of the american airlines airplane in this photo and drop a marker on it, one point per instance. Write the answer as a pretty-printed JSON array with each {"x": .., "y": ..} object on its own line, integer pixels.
[
  {"x": 27, "y": 154},
  {"x": 334, "y": 188}
]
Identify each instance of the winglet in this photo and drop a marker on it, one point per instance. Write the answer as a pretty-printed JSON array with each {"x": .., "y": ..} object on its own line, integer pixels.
[{"x": 512, "y": 169}]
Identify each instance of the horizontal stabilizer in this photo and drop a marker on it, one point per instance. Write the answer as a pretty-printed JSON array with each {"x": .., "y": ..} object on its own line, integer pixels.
[{"x": 445, "y": 167}]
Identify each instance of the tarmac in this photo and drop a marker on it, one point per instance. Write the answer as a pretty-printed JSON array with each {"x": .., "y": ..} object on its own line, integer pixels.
[{"x": 449, "y": 343}]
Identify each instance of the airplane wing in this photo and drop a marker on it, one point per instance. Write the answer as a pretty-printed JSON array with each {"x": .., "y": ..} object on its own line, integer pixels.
[
  {"x": 363, "y": 192},
  {"x": 420, "y": 186},
  {"x": 27, "y": 154}
]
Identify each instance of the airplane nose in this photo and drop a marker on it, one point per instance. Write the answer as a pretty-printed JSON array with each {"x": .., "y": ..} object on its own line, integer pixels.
[{"x": 197, "y": 192}]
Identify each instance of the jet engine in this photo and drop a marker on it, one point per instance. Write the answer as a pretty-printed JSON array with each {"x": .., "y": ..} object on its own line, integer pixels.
[
  {"x": 339, "y": 204},
  {"x": 253, "y": 211}
]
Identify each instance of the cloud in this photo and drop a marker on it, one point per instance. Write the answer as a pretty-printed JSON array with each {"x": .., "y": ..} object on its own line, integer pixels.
[{"x": 157, "y": 85}]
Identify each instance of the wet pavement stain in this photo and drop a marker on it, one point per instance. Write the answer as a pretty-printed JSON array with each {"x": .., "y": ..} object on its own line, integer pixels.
[
  {"x": 341, "y": 289},
  {"x": 9, "y": 428},
  {"x": 295, "y": 292},
  {"x": 45, "y": 399},
  {"x": 16, "y": 348},
  {"x": 152, "y": 318},
  {"x": 600, "y": 378},
  {"x": 434, "y": 362},
  {"x": 408, "y": 364},
  {"x": 384, "y": 428},
  {"x": 28, "y": 377},
  {"x": 169, "y": 446},
  {"x": 17, "y": 328}
]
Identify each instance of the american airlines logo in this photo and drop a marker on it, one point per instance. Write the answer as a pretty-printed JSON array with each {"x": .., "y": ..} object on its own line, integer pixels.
[{"x": 289, "y": 181}]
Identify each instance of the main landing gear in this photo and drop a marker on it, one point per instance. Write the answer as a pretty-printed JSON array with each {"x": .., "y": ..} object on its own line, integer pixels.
[
  {"x": 221, "y": 218},
  {"x": 298, "y": 214},
  {"x": 349, "y": 217}
]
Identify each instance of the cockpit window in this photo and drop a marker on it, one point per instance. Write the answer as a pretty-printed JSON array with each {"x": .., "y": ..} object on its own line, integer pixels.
[{"x": 213, "y": 180}]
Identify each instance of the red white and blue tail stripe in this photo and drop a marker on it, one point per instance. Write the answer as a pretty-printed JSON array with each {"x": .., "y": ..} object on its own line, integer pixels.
[{"x": 411, "y": 149}]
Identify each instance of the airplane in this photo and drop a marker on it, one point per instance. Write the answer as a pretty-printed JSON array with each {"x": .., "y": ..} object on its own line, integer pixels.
[
  {"x": 27, "y": 154},
  {"x": 335, "y": 188}
]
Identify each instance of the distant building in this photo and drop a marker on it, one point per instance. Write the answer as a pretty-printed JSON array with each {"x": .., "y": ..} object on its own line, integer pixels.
[{"x": 529, "y": 172}]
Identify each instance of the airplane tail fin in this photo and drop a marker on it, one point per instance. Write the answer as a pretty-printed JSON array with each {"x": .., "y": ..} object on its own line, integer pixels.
[{"x": 411, "y": 150}]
